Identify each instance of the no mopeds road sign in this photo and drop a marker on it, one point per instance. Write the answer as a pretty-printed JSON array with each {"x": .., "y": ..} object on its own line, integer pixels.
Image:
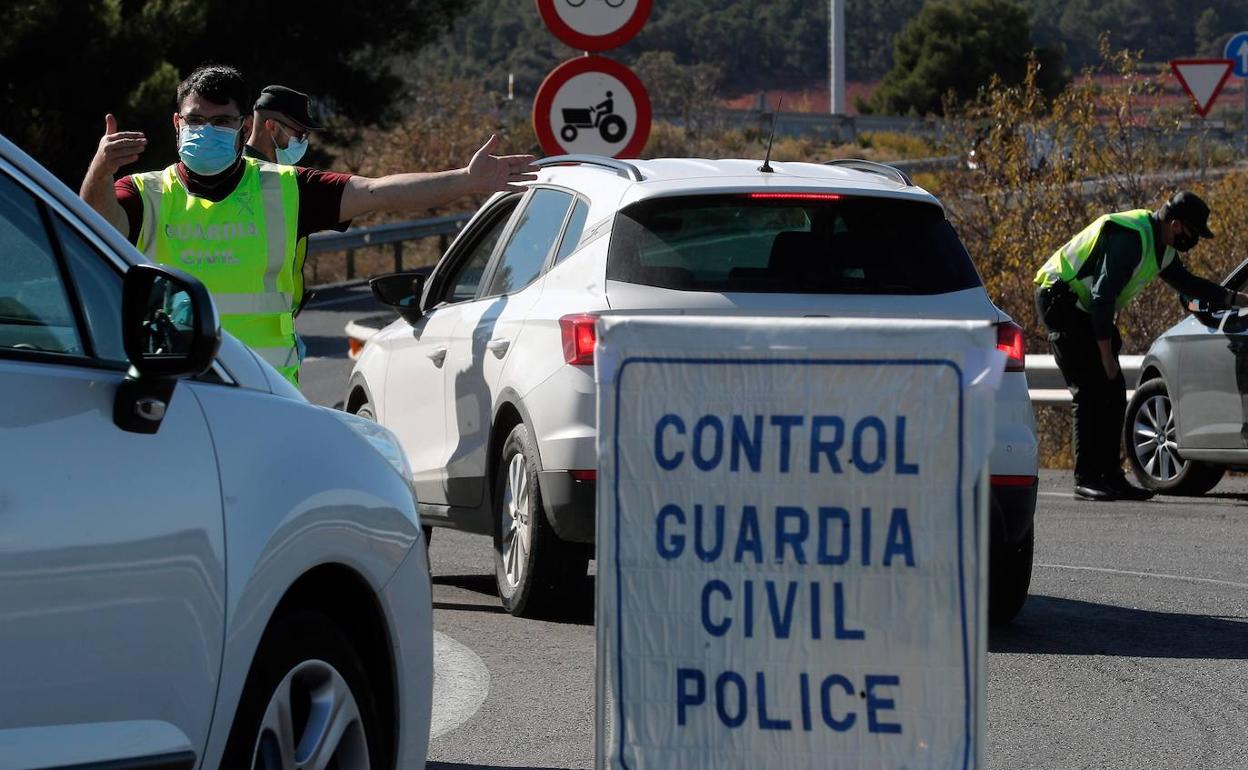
[
  {"x": 592, "y": 105},
  {"x": 594, "y": 25}
]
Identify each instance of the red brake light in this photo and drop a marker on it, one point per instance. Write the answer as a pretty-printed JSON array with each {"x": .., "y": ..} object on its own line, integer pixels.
[
  {"x": 589, "y": 475},
  {"x": 784, "y": 196},
  {"x": 1010, "y": 341},
  {"x": 579, "y": 338},
  {"x": 1013, "y": 481}
]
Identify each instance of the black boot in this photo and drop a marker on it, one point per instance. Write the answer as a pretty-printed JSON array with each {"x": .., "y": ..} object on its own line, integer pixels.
[{"x": 1125, "y": 489}]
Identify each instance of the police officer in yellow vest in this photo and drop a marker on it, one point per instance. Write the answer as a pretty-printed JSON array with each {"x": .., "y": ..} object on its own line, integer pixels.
[
  {"x": 239, "y": 224},
  {"x": 1078, "y": 291}
]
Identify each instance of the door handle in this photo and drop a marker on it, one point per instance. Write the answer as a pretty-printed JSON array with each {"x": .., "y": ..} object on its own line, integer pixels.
[
  {"x": 498, "y": 346},
  {"x": 437, "y": 356}
]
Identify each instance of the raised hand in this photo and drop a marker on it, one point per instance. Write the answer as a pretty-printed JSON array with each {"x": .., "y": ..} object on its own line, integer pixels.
[
  {"x": 492, "y": 173},
  {"x": 118, "y": 148}
]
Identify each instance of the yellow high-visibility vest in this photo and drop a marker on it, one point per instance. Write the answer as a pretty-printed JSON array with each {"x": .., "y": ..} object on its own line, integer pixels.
[
  {"x": 1066, "y": 262},
  {"x": 245, "y": 249}
]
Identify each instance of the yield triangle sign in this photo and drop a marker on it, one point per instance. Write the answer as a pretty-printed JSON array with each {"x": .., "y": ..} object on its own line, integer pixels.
[{"x": 1203, "y": 79}]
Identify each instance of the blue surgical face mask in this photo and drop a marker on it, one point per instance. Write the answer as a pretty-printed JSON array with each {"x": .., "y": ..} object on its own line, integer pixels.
[
  {"x": 292, "y": 152},
  {"x": 207, "y": 150}
]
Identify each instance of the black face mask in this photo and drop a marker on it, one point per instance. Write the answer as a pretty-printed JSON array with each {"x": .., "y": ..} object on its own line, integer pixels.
[{"x": 1184, "y": 241}]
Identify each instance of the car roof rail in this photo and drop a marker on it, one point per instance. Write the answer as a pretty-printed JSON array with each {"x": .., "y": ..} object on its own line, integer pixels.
[
  {"x": 872, "y": 167},
  {"x": 621, "y": 167}
]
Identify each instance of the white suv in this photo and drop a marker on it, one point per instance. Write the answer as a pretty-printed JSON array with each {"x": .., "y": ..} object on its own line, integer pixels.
[{"x": 487, "y": 377}]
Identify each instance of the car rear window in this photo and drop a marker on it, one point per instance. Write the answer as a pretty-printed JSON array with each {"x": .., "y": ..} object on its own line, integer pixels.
[{"x": 789, "y": 243}]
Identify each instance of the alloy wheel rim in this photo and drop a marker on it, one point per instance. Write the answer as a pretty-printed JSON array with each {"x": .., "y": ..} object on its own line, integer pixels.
[
  {"x": 516, "y": 521},
  {"x": 312, "y": 722},
  {"x": 1154, "y": 440}
]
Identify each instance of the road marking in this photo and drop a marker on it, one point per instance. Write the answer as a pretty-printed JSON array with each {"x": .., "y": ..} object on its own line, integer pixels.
[
  {"x": 1056, "y": 494},
  {"x": 1133, "y": 573},
  {"x": 460, "y": 684}
]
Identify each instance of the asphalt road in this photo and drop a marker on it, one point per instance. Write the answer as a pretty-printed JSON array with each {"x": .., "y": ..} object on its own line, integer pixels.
[{"x": 1131, "y": 652}]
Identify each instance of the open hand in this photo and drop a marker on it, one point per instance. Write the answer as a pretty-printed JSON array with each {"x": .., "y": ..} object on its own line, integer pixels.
[
  {"x": 117, "y": 148},
  {"x": 492, "y": 173}
]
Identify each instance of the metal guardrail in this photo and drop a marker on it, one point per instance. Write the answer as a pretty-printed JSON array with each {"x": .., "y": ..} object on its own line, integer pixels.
[
  {"x": 379, "y": 235},
  {"x": 1046, "y": 386}
]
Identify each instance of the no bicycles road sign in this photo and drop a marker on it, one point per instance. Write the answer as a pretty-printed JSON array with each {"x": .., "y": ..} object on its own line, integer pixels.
[
  {"x": 594, "y": 25},
  {"x": 592, "y": 105}
]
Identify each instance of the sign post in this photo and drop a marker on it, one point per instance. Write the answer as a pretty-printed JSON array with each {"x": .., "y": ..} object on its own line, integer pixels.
[{"x": 792, "y": 542}]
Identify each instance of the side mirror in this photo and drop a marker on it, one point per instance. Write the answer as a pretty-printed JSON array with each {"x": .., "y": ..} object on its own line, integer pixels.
[
  {"x": 170, "y": 330},
  {"x": 401, "y": 291}
]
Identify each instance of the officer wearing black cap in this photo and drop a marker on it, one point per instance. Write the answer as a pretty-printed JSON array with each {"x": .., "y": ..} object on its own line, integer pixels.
[
  {"x": 280, "y": 128},
  {"x": 1078, "y": 291}
]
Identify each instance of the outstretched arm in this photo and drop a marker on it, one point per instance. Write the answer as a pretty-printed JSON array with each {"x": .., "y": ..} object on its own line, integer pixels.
[
  {"x": 485, "y": 174},
  {"x": 116, "y": 150}
]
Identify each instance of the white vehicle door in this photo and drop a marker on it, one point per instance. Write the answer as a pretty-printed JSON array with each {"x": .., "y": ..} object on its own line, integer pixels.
[
  {"x": 483, "y": 338},
  {"x": 112, "y": 582},
  {"x": 416, "y": 399}
]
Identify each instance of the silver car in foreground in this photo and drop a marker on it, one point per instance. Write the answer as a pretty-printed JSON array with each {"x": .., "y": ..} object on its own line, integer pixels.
[
  {"x": 198, "y": 568},
  {"x": 1187, "y": 423}
]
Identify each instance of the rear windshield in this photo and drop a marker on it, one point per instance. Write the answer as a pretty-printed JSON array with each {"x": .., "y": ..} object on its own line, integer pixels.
[{"x": 789, "y": 244}]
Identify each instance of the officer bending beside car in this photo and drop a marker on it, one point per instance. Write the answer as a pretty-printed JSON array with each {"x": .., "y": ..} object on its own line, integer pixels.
[
  {"x": 239, "y": 224},
  {"x": 1078, "y": 291}
]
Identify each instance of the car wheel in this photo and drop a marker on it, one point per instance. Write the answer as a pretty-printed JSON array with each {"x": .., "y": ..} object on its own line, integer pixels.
[
  {"x": 308, "y": 702},
  {"x": 1009, "y": 577},
  {"x": 536, "y": 571},
  {"x": 1150, "y": 436}
]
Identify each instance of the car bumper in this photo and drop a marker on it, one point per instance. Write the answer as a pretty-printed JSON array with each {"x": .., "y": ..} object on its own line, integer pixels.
[
  {"x": 1013, "y": 507},
  {"x": 569, "y": 504}
]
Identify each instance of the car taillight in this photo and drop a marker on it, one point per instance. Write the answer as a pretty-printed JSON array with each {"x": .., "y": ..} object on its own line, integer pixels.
[
  {"x": 1014, "y": 481},
  {"x": 589, "y": 475},
  {"x": 579, "y": 338},
  {"x": 1010, "y": 341},
  {"x": 785, "y": 196}
]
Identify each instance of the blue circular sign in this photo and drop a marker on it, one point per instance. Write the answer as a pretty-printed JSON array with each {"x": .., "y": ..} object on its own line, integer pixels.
[{"x": 1237, "y": 51}]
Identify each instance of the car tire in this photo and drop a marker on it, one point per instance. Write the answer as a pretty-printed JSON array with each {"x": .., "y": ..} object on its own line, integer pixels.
[
  {"x": 1157, "y": 465},
  {"x": 536, "y": 571},
  {"x": 1009, "y": 577},
  {"x": 307, "y": 660}
]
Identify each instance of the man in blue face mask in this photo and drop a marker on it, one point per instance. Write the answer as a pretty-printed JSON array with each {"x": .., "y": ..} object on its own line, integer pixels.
[
  {"x": 280, "y": 125},
  {"x": 241, "y": 225}
]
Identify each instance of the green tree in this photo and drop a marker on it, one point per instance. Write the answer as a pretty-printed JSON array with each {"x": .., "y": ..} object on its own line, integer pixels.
[
  {"x": 65, "y": 63},
  {"x": 957, "y": 46}
]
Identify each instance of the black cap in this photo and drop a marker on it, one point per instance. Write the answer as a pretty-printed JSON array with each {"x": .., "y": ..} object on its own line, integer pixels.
[
  {"x": 1188, "y": 208},
  {"x": 287, "y": 101}
]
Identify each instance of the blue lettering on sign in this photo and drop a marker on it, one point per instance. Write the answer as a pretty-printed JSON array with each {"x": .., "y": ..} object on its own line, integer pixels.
[
  {"x": 669, "y": 546},
  {"x": 790, "y": 537},
  {"x": 875, "y": 704},
  {"x": 721, "y": 588},
  {"x": 745, "y": 440},
  {"x": 668, "y": 462},
  {"x": 721, "y": 698},
  {"x": 699, "y": 432},
  {"x": 751, "y": 444},
  {"x": 771, "y": 701}
]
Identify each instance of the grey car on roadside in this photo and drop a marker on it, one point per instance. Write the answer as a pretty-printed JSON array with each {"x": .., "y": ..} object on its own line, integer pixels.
[{"x": 1187, "y": 422}]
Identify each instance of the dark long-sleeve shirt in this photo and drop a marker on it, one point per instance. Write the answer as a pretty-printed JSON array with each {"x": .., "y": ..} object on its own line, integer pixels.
[{"x": 1112, "y": 262}]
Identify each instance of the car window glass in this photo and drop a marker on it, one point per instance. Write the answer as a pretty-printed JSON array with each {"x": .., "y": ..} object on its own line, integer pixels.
[
  {"x": 572, "y": 234},
  {"x": 464, "y": 281},
  {"x": 531, "y": 241},
  {"x": 793, "y": 245},
  {"x": 99, "y": 291},
  {"x": 35, "y": 313}
]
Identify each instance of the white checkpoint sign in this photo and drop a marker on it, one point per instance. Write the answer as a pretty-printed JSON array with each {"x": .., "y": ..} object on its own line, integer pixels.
[{"x": 791, "y": 547}]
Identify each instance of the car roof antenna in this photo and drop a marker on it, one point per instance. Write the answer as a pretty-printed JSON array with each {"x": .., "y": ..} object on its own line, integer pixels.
[{"x": 766, "y": 167}]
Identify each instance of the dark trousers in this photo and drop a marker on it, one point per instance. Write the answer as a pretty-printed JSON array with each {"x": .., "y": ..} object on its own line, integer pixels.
[{"x": 1098, "y": 403}]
